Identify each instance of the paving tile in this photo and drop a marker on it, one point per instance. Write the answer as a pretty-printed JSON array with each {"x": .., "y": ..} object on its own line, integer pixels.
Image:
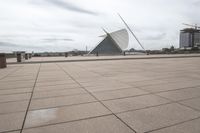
[
  {"x": 194, "y": 103},
  {"x": 53, "y": 78},
  {"x": 13, "y": 121},
  {"x": 60, "y": 101},
  {"x": 11, "y": 107},
  {"x": 187, "y": 127},
  {"x": 28, "y": 82},
  {"x": 49, "y": 83},
  {"x": 14, "y": 132},
  {"x": 147, "y": 83},
  {"x": 157, "y": 117},
  {"x": 170, "y": 86},
  {"x": 87, "y": 81},
  {"x": 101, "y": 82},
  {"x": 64, "y": 114},
  {"x": 106, "y": 124},
  {"x": 105, "y": 95},
  {"x": 130, "y": 79},
  {"x": 57, "y": 87},
  {"x": 55, "y": 93},
  {"x": 133, "y": 103},
  {"x": 15, "y": 91},
  {"x": 45, "y": 72},
  {"x": 14, "y": 86},
  {"x": 181, "y": 94},
  {"x": 106, "y": 87},
  {"x": 19, "y": 78},
  {"x": 14, "y": 97},
  {"x": 179, "y": 79}
]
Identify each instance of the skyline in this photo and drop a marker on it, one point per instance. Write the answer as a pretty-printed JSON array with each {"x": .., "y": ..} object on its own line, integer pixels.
[{"x": 64, "y": 25}]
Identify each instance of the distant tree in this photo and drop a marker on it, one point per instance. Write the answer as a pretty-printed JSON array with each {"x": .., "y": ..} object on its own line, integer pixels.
[
  {"x": 132, "y": 50},
  {"x": 75, "y": 50},
  {"x": 165, "y": 49},
  {"x": 195, "y": 49},
  {"x": 172, "y": 48}
]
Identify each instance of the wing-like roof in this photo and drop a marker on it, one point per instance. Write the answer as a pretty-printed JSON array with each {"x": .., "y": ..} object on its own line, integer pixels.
[{"x": 121, "y": 37}]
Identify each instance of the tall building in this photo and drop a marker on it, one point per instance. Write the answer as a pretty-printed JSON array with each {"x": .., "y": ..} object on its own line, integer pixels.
[
  {"x": 189, "y": 37},
  {"x": 112, "y": 43}
]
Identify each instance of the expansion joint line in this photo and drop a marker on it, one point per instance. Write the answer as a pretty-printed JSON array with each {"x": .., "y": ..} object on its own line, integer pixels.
[
  {"x": 96, "y": 98},
  {"x": 29, "y": 103}
]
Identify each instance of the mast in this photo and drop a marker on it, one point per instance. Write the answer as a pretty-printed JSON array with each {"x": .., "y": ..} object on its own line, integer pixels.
[{"x": 131, "y": 32}]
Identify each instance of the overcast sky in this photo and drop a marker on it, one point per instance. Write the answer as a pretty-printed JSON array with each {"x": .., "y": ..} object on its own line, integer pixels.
[{"x": 63, "y": 25}]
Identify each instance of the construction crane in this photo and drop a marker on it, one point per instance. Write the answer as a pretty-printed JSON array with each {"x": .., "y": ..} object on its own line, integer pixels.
[{"x": 194, "y": 26}]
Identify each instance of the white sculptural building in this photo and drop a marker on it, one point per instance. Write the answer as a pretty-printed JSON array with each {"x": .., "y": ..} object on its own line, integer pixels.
[{"x": 112, "y": 43}]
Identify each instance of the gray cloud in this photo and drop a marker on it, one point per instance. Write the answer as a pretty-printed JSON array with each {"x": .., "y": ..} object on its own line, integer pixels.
[
  {"x": 52, "y": 24},
  {"x": 159, "y": 36},
  {"x": 70, "y": 6},
  {"x": 57, "y": 39},
  {"x": 7, "y": 44},
  {"x": 196, "y": 3}
]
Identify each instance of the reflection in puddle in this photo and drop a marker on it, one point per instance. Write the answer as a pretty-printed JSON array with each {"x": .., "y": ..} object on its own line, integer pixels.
[{"x": 38, "y": 117}]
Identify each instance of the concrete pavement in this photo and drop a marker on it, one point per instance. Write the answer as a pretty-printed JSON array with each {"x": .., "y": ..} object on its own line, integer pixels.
[{"x": 120, "y": 96}]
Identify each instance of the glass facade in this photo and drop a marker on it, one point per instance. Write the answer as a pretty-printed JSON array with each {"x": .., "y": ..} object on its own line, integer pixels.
[{"x": 189, "y": 38}]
